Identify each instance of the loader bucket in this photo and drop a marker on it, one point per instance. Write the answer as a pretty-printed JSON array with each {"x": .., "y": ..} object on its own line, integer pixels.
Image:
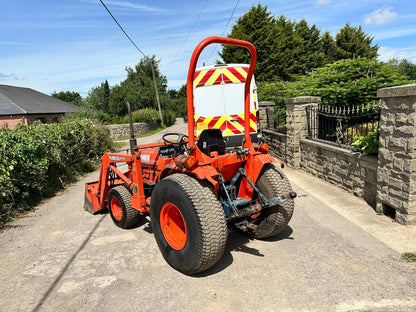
[{"x": 91, "y": 203}]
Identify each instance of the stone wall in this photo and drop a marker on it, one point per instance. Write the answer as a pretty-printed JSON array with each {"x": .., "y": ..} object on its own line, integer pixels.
[
  {"x": 123, "y": 130},
  {"x": 397, "y": 153},
  {"x": 386, "y": 182},
  {"x": 277, "y": 143},
  {"x": 348, "y": 170},
  {"x": 351, "y": 171}
]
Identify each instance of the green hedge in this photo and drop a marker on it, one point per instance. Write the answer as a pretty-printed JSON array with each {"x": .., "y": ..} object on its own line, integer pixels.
[{"x": 38, "y": 160}]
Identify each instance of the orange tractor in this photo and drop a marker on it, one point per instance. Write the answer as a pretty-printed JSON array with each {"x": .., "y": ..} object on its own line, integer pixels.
[{"x": 196, "y": 189}]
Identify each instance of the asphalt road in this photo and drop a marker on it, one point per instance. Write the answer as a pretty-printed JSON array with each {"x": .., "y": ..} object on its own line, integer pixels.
[{"x": 61, "y": 258}]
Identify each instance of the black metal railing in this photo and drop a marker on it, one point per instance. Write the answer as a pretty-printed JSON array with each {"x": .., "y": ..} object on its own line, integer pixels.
[
  {"x": 341, "y": 125},
  {"x": 280, "y": 121}
]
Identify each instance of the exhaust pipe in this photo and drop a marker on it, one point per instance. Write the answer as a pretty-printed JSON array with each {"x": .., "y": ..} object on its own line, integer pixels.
[{"x": 133, "y": 141}]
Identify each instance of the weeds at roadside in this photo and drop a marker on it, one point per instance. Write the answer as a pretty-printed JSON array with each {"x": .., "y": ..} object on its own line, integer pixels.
[{"x": 409, "y": 256}]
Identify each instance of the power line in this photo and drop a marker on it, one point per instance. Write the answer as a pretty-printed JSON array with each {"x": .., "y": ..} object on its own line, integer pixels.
[
  {"x": 187, "y": 36},
  {"x": 138, "y": 49},
  {"x": 225, "y": 28},
  {"x": 128, "y": 37}
]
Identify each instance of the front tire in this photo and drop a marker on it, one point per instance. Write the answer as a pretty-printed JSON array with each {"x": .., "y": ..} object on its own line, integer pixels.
[
  {"x": 188, "y": 223},
  {"x": 119, "y": 205},
  {"x": 272, "y": 182}
]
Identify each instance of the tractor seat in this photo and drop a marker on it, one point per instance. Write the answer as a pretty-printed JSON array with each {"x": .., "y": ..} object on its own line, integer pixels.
[{"x": 211, "y": 140}]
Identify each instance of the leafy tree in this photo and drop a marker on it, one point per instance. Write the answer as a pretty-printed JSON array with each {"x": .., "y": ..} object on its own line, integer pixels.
[
  {"x": 137, "y": 89},
  {"x": 347, "y": 82},
  {"x": 353, "y": 42},
  {"x": 405, "y": 67},
  {"x": 99, "y": 97},
  {"x": 68, "y": 96},
  {"x": 350, "y": 82}
]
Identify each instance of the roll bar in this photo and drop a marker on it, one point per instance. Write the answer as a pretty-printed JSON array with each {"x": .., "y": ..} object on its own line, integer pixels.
[{"x": 190, "y": 90}]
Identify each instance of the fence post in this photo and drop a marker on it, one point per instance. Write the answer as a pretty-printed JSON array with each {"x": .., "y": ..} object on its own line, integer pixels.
[
  {"x": 396, "y": 173},
  {"x": 266, "y": 115},
  {"x": 297, "y": 125}
]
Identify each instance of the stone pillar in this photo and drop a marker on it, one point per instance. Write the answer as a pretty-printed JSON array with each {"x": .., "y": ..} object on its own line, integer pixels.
[
  {"x": 396, "y": 174},
  {"x": 297, "y": 125},
  {"x": 266, "y": 115}
]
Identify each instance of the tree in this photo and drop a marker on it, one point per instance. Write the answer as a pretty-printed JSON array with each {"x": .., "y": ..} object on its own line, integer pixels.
[
  {"x": 407, "y": 68},
  {"x": 255, "y": 26},
  {"x": 307, "y": 48},
  {"x": 68, "y": 96},
  {"x": 285, "y": 49},
  {"x": 349, "y": 82},
  {"x": 99, "y": 97},
  {"x": 137, "y": 89},
  {"x": 328, "y": 48},
  {"x": 353, "y": 42}
]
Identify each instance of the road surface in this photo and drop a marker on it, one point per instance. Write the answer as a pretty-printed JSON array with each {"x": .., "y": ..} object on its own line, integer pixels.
[{"x": 61, "y": 258}]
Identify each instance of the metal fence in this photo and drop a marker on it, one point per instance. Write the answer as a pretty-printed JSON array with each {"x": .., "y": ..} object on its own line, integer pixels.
[
  {"x": 341, "y": 125},
  {"x": 280, "y": 121}
]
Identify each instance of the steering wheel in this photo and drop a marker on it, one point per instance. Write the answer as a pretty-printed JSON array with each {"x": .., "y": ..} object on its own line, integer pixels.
[{"x": 179, "y": 142}]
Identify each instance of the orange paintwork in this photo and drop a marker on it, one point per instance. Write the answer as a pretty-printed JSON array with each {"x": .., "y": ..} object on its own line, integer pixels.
[{"x": 148, "y": 165}]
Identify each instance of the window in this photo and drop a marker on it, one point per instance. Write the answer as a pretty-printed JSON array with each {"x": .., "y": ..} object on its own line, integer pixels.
[{"x": 41, "y": 119}]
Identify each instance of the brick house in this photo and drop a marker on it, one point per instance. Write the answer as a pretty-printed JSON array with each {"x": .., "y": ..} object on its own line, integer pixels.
[{"x": 24, "y": 105}]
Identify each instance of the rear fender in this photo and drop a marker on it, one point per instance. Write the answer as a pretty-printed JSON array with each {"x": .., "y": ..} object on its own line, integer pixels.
[
  {"x": 253, "y": 167},
  {"x": 258, "y": 164}
]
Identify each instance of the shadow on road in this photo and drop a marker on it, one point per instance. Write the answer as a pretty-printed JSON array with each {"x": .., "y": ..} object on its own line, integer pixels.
[
  {"x": 238, "y": 241},
  {"x": 65, "y": 268}
]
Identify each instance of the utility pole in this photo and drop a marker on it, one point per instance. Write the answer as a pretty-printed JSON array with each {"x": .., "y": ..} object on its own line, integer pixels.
[{"x": 157, "y": 92}]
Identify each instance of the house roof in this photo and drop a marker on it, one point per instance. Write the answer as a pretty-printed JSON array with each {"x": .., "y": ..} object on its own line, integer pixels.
[{"x": 18, "y": 101}]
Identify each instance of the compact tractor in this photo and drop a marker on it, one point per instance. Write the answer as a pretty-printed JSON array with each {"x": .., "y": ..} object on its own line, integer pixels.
[{"x": 196, "y": 189}]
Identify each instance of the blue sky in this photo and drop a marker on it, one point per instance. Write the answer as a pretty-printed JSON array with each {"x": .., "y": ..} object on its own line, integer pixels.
[{"x": 73, "y": 45}]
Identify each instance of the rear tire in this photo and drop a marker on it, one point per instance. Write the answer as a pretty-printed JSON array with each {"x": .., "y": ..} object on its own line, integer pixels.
[
  {"x": 272, "y": 182},
  {"x": 119, "y": 205},
  {"x": 188, "y": 223}
]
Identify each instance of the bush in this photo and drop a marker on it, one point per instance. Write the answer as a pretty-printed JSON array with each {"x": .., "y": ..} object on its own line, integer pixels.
[
  {"x": 143, "y": 115},
  {"x": 349, "y": 82},
  {"x": 38, "y": 160},
  {"x": 369, "y": 143},
  {"x": 169, "y": 118}
]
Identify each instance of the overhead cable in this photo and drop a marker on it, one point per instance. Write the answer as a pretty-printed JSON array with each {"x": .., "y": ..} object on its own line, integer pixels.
[
  {"x": 189, "y": 33},
  {"x": 225, "y": 28}
]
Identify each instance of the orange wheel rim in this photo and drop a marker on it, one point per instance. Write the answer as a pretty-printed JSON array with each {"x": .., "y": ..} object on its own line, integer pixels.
[
  {"x": 173, "y": 226},
  {"x": 116, "y": 209}
]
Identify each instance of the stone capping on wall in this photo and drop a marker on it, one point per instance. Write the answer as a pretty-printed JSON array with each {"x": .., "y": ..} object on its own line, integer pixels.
[
  {"x": 303, "y": 100},
  {"x": 399, "y": 91}
]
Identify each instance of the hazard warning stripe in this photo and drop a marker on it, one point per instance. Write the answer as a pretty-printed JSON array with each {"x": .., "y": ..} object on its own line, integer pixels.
[
  {"x": 225, "y": 124},
  {"x": 221, "y": 75}
]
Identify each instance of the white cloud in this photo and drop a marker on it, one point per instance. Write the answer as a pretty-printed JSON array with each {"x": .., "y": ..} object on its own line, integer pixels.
[
  {"x": 381, "y": 16},
  {"x": 387, "y": 53},
  {"x": 323, "y": 2}
]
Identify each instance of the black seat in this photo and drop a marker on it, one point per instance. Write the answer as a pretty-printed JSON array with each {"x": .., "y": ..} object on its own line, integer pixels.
[{"x": 211, "y": 140}]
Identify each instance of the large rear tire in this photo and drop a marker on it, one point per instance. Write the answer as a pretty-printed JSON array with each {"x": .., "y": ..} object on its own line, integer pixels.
[
  {"x": 119, "y": 205},
  {"x": 188, "y": 223},
  {"x": 272, "y": 182}
]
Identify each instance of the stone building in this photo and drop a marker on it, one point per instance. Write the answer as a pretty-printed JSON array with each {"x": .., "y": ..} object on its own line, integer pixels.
[{"x": 24, "y": 105}]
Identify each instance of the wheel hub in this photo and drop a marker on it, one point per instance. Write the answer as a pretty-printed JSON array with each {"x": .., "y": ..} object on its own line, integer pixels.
[{"x": 173, "y": 226}]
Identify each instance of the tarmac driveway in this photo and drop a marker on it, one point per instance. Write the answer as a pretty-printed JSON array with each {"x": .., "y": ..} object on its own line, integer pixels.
[{"x": 61, "y": 258}]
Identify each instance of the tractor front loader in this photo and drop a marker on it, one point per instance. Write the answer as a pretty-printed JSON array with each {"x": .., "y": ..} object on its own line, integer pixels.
[{"x": 196, "y": 189}]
